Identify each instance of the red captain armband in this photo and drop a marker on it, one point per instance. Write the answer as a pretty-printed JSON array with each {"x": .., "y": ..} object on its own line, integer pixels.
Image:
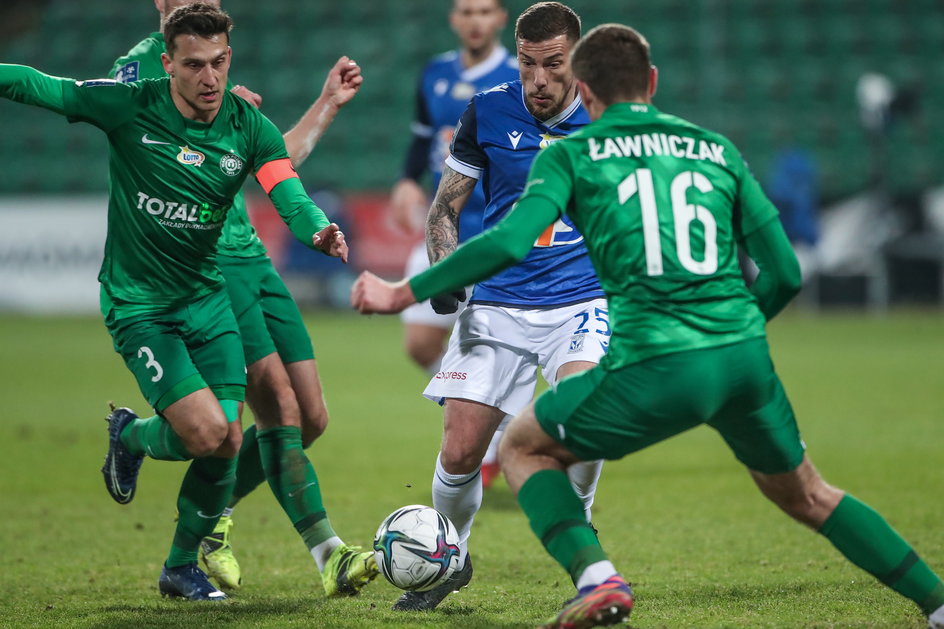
[{"x": 275, "y": 172}]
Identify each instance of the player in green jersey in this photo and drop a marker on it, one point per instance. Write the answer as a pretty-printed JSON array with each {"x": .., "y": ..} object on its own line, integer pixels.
[
  {"x": 662, "y": 204},
  {"x": 180, "y": 149},
  {"x": 284, "y": 390}
]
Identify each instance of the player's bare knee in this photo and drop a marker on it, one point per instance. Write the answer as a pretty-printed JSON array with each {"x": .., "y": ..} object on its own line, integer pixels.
[
  {"x": 460, "y": 459},
  {"x": 423, "y": 354},
  {"x": 313, "y": 426},
  {"x": 230, "y": 446},
  {"x": 206, "y": 439}
]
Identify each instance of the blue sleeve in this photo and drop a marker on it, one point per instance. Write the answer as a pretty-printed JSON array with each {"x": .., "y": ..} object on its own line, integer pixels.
[
  {"x": 465, "y": 150},
  {"x": 417, "y": 156}
]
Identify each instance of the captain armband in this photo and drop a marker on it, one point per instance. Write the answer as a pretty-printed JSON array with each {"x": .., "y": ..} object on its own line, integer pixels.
[{"x": 275, "y": 172}]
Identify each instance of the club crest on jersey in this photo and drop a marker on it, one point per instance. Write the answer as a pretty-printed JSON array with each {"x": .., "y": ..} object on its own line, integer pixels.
[
  {"x": 463, "y": 91},
  {"x": 189, "y": 157},
  {"x": 231, "y": 164},
  {"x": 547, "y": 138}
]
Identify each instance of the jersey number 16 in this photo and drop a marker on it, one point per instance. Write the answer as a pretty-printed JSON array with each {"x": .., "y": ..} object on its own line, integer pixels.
[{"x": 640, "y": 182}]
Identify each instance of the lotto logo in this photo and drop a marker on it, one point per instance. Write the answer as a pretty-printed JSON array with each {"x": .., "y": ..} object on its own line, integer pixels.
[{"x": 451, "y": 375}]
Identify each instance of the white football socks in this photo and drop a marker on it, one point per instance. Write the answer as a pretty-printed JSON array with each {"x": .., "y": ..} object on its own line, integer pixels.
[
  {"x": 322, "y": 551},
  {"x": 595, "y": 574},
  {"x": 584, "y": 477},
  {"x": 936, "y": 619},
  {"x": 458, "y": 497}
]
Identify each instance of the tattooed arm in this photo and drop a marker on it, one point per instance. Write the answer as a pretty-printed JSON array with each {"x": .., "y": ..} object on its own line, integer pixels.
[{"x": 442, "y": 223}]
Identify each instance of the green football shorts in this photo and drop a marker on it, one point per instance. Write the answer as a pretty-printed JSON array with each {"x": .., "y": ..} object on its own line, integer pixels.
[
  {"x": 268, "y": 317},
  {"x": 733, "y": 388},
  {"x": 174, "y": 353}
]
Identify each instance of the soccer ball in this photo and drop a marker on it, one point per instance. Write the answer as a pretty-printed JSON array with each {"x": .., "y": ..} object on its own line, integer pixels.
[{"x": 417, "y": 548}]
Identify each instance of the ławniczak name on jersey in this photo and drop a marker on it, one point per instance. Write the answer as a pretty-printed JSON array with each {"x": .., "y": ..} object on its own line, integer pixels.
[{"x": 496, "y": 141}]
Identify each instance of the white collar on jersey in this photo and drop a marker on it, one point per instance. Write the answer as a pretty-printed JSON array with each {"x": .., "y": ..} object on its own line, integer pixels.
[
  {"x": 498, "y": 57},
  {"x": 559, "y": 118}
]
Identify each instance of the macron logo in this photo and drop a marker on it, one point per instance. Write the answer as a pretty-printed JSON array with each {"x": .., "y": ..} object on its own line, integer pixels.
[{"x": 514, "y": 137}]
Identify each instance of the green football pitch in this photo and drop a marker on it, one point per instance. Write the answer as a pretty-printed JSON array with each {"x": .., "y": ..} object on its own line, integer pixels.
[{"x": 682, "y": 520}]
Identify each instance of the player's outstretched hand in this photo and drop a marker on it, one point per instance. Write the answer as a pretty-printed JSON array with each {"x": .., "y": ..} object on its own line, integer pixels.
[
  {"x": 370, "y": 295},
  {"x": 248, "y": 95},
  {"x": 447, "y": 303},
  {"x": 331, "y": 241},
  {"x": 343, "y": 81}
]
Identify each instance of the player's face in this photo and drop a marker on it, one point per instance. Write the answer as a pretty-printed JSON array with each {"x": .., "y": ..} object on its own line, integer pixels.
[
  {"x": 477, "y": 22},
  {"x": 199, "y": 70},
  {"x": 546, "y": 76}
]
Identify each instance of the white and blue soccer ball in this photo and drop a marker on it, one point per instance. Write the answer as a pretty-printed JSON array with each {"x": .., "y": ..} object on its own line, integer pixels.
[{"x": 417, "y": 548}]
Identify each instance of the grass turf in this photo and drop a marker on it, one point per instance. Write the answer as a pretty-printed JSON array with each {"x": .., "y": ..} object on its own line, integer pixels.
[{"x": 682, "y": 519}]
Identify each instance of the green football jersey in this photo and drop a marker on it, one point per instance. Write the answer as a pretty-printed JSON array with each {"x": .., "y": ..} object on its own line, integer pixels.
[
  {"x": 661, "y": 204},
  {"x": 172, "y": 181},
  {"x": 239, "y": 238}
]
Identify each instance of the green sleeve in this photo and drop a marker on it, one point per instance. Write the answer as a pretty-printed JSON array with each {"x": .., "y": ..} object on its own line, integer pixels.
[
  {"x": 141, "y": 62},
  {"x": 779, "y": 279},
  {"x": 498, "y": 248},
  {"x": 101, "y": 102},
  {"x": 29, "y": 86},
  {"x": 303, "y": 217},
  {"x": 293, "y": 204},
  {"x": 753, "y": 208}
]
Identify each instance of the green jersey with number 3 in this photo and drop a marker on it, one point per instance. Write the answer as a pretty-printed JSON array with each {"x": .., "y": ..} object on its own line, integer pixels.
[{"x": 662, "y": 204}]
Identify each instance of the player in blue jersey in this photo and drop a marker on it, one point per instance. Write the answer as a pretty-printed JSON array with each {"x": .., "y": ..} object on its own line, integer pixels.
[
  {"x": 447, "y": 83},
  {"x": 548, "y": 311}
]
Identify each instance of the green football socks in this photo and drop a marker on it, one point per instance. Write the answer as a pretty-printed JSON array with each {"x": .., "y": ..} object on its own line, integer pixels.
[
  {"x": 294, "y": 482},
  {"x": 205, "y": 490},
  {"x": 154, "y": 437},
  {"x": 557, "y": 517},
  {"x": 249, "y": 471},
  {"x": 867, "y": 540}
]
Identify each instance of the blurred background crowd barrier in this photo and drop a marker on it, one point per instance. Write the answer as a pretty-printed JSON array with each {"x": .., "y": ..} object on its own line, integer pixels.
[{"x": 836, "y": 105}]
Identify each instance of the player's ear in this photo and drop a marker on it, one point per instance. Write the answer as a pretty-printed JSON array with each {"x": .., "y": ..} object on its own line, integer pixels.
[
  {"x": 653, "y": 81},
  {"x": 168, "y": 63},
  {"x": 586, "y": 94}
]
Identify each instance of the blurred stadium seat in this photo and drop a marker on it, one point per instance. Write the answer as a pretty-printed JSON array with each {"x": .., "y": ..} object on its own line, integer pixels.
[{"x": 769, "y": 73}]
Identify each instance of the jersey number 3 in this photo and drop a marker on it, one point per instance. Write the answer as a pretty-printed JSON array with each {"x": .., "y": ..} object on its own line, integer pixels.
[{"x": 640, "y": 182}]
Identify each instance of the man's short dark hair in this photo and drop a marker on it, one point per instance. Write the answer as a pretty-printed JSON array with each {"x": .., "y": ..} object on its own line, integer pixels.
[
  {"x": 197, "y": 19},
  {"x": 613, "y": 60},
  {"x": 546, "y": 20}
]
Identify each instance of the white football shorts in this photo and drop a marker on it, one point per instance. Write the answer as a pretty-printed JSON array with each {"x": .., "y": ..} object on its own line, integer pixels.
[
  {"x": 494, "y": 352},
  {"x": 422, "y": 313}
]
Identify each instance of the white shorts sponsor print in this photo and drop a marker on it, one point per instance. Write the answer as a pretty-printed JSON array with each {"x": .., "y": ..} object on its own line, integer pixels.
[
  {"x": 494, "y": 352},
  {"x": 423, "y": 313}
]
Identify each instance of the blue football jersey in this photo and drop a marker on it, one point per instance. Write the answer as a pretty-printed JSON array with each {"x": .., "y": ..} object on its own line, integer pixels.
[
  {"x": 444, "y": 92},
  {"x": 495, "y": 142}
]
